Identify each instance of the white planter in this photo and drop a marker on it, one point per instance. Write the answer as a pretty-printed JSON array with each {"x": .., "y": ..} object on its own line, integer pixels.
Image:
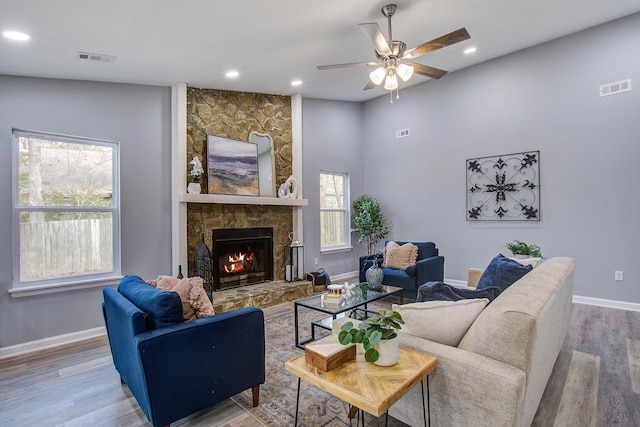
[
  {"x": 389, "y": 352},
  {"x": 194, "y": 188}
]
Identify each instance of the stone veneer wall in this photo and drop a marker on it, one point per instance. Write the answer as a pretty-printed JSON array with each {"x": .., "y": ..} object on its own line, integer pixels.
[{"x": 235, "y": 115}]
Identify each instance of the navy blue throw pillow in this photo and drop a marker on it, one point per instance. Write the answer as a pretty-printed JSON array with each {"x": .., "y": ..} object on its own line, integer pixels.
[
  {"x": 502, "y": 272},
  {"x": 163, "y": 308}
]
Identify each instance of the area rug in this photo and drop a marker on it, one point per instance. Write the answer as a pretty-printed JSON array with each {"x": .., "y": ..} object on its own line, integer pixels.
[{"x": 278, "y": 393}]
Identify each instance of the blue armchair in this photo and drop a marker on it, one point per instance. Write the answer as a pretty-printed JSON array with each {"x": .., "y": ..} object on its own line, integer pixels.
[
  {"x": 173, "y": 368},
  {"x": 429, "y": 267}
]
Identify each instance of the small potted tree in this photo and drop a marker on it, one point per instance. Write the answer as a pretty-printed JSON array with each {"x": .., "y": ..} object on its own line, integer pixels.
[
  {"x": 369, "y": 221},
  {"x": 521, "y": 249},
  {"x": 378, "y": 336},
  {"x": 370, "y": 224}
]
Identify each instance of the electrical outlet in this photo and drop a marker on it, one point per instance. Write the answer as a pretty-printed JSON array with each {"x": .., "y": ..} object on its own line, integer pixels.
[
  {"x": 619, "y": 276},
  {"x": 315, "y": 261}
]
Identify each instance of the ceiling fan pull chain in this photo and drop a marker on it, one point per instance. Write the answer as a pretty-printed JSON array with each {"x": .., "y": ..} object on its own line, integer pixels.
[{"x": 391, "y": 97}]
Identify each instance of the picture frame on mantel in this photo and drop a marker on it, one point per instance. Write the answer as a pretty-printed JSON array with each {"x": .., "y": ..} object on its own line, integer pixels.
[{"x": 232, "y": 166}]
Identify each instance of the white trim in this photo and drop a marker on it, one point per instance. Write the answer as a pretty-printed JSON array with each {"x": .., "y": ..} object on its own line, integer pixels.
[
  {"x": 457, "y": 283},
  {"x": 45, "y": 343},
  {"x": 621, "y": 305},
  {"x": 296, "y": 165},
  {"x": 178, "y": 177},
  {"x": 228, "y": 199},
  {"x": 344, "y": 277},
  {"x": 29, "y": 291}
]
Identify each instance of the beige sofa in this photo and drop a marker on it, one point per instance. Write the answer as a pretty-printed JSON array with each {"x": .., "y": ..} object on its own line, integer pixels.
[{"x": 498, "y": 372}]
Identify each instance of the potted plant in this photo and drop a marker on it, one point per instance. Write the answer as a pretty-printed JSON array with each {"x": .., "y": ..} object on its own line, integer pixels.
[
  {"x": 369, "y": 222},
  {"x": 518, "y": 247},
  {"x": 196, "y": 171},
  {"x": 378, "y": 336}
]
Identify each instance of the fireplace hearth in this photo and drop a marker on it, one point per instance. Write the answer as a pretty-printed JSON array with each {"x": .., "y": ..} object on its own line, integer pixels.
[{"x": 241, "y": 256}]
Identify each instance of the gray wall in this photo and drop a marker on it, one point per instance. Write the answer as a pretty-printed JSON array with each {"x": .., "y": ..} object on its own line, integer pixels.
[
  {"x": 331, "y": 135},
  {"x": 137, "y": 116},
  {"x": 544, "y": 98}
]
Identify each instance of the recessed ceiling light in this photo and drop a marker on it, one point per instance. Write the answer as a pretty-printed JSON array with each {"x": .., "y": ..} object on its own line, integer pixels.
[
  {"x": 470, "y": 50},
  {"x": 16, "y": 35},
  {"x": 232, "y": 74},
  {"x": 296, "y": 83}
]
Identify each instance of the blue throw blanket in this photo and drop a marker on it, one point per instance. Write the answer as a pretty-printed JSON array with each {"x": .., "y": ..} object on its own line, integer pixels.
[{"x": 439, "y": 291}]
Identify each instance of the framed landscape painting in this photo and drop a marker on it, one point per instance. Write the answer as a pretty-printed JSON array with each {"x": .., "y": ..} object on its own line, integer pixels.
[{"x": 232, "y": 167}]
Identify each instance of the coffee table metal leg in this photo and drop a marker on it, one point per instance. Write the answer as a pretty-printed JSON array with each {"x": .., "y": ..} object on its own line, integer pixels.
[
  {"x": 295, "y": 316},
  {"x": 427, "y": 420},
  {"x": 295, "y": 424}
]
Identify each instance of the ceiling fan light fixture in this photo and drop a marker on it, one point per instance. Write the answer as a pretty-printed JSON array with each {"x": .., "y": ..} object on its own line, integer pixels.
[
  {"x": 377, "y": 75},
  {"x": 405, "y": 72},
  {"x": 391, "y": 82}
]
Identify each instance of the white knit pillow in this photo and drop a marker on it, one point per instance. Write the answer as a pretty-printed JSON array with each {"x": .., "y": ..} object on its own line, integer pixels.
[{"x": 444, "y": 322}]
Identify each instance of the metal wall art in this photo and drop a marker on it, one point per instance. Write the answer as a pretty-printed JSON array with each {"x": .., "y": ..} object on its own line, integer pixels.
[{"x": 504, "y": 188}]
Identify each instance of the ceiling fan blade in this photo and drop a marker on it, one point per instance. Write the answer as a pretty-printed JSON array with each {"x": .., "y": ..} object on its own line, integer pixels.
[
  {"x": 350, "y": 64},
  {"x": 375, "y": 36},
  {"x": 425, "y": 70},
  {"x": 435, "y": 44},
  {"x": 369, "y": 85}
]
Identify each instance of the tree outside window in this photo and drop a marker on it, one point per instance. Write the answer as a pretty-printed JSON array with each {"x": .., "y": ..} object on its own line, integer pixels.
[
  {"x": 66, "y": 206},
  {"x": 334, "y": 211}
]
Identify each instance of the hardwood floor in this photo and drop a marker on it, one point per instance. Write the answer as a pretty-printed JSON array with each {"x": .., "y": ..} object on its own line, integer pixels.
[{"x": 596, "y": 382}]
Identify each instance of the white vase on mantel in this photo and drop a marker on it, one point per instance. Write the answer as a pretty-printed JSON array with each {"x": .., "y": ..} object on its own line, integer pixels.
[
  {"x": 389, "y": 352},
  {"x": 194, "y": 188}
]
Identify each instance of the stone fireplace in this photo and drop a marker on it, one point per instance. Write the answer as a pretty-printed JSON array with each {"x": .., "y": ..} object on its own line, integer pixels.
[
  {"x": 242, "y": 256},
  {"x": 236, "y": 115}
]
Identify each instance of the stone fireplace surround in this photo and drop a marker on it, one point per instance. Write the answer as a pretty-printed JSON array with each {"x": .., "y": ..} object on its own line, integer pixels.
[{"x": 235, "y": 115}]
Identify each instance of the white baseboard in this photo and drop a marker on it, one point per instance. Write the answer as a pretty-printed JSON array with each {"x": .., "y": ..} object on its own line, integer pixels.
[
  {"x": 621, "y": 305},
  {"x": 345, "y": 277},
  {"x": 31, "y": 346}
]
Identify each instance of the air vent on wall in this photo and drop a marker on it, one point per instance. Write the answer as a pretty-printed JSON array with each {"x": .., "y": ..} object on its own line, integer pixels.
[
  {"x": 95, "y": 57},
  {"x": 402, "y": 133},
  {"x": 615, "y": 88}
]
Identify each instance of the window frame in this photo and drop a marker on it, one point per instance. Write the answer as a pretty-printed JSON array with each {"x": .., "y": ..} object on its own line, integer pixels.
[
  {"x": 65, "y": 282},
  {"x": 346, "y": 209}
]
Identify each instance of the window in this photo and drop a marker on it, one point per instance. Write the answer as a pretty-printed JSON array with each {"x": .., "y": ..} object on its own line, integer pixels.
[
  {"x": 66, "y": 210},
  {"x": 334, "y": 211}
]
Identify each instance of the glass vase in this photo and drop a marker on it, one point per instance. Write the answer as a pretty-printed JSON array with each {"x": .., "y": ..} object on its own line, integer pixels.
[{"x": 374, "y": 275}]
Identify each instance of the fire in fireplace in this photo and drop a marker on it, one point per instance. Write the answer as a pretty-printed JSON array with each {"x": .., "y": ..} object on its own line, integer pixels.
[{"x": 242, "y": 256}]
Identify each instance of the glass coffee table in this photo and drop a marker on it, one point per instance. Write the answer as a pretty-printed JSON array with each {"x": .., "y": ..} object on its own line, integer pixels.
[{"x": 356, "y": 302}]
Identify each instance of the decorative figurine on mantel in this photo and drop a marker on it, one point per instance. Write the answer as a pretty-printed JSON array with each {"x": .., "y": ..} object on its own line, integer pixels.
[
  {"x": 289, "y": 189},
  {"x": 196, "y": 171}
]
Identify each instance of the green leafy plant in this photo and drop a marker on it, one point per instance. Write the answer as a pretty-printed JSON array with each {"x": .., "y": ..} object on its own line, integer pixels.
[
  {"x": 380, "y": 326},
  {"x": 369, "y": 221},
  {"x": 518, "y": 247}
]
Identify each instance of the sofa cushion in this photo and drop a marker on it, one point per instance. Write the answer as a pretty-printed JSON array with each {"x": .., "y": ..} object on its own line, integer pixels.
[
  {"x": 502, "y": 272},
  {"x": 399, "y": 257},
  {"x": 444, "y": 322},
  {"x": 195, "y": 302},
  {"x": 163, "y": 308}
]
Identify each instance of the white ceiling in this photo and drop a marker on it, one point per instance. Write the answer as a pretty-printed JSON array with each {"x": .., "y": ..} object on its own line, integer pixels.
[{"x": 271, "y": 43}]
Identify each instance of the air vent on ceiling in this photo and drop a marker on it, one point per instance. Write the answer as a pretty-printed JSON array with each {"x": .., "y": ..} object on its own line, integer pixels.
[
  {"x": 615, "y": 88},
  {"x": 98, "y": 57}
]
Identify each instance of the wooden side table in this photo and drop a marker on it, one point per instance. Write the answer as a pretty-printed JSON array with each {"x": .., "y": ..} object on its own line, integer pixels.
[{"x": 371, "y": 388}]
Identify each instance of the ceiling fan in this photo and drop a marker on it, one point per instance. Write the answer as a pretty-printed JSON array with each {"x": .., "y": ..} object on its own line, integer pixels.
[{"x": 393, "y": 56}]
